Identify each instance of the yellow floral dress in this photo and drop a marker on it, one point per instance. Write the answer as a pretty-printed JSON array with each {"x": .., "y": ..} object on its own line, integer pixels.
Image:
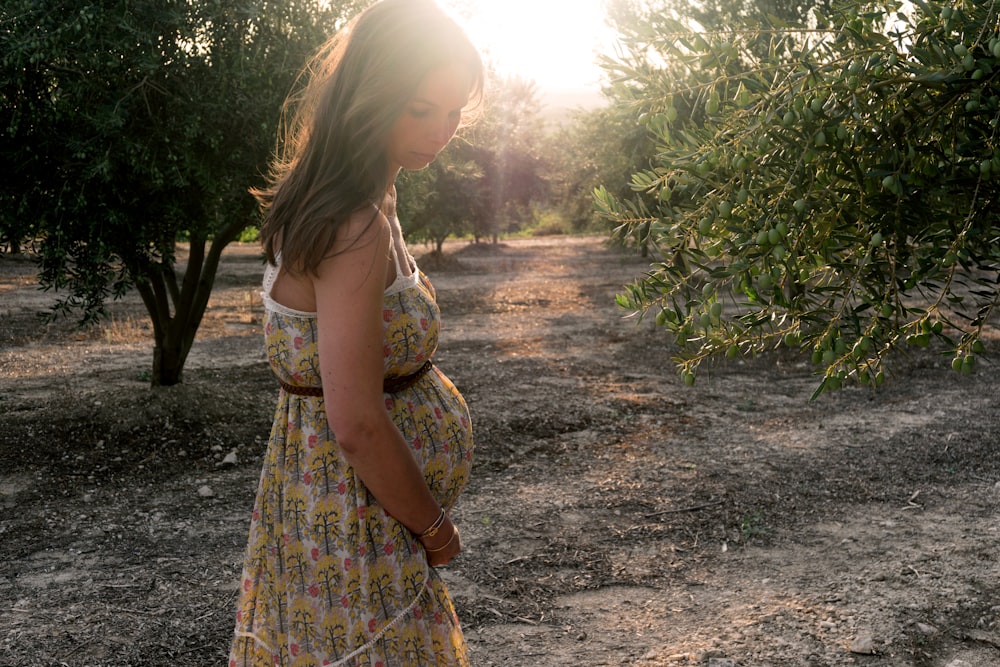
[{"x": 329, "y": 577}]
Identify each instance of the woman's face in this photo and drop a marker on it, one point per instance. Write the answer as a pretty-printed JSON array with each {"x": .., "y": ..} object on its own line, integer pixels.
[{"x": 429, "y": 119}]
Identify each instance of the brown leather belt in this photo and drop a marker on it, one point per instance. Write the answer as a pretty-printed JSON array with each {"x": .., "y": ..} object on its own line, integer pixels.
[{"x": 391, "y": 385}]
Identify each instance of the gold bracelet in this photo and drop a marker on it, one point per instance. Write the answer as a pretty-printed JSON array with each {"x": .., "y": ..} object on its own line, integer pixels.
[
  {"x": 435, "y": 527},
  {"x": 454, "y": 533}
]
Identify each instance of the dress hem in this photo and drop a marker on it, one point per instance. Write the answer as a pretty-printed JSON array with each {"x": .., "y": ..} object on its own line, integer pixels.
[{"x": 367, "y": 645}]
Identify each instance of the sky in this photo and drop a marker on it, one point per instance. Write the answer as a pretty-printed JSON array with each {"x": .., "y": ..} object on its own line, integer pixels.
[{"x": 552, "y": 42}]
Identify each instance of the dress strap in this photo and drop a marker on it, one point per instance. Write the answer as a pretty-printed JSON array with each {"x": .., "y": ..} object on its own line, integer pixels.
[
  {"x": 400, "y": 253},
  {"x": 271, "y": 275}
]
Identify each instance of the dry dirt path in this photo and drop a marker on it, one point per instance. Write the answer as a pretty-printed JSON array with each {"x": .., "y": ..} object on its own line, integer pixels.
[{"x": 615, "y": 518}]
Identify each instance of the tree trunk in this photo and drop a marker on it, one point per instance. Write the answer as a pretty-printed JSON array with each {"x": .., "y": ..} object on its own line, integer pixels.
[
  {"x": 168, "y": 363},
  {"x": 170, "y": 349},
  {"x": 174, "y": 334}
]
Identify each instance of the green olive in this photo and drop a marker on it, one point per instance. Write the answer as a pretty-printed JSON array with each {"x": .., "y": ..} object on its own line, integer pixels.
[{"x": 968, "y": 365}]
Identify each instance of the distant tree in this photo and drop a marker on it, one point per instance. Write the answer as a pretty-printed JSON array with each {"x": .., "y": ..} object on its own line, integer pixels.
[
  {"x": 443, "y": 199},
  {"x": 602, "y": 146},
  {"x": 486, "y": 181},
  {"x": 508, "y": 140},
  {"x": 134, "y": 124},
  {"x": 838, "y": 196}
]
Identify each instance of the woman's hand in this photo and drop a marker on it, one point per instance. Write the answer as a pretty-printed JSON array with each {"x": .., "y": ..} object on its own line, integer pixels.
[{"x": 444, "y": 545}]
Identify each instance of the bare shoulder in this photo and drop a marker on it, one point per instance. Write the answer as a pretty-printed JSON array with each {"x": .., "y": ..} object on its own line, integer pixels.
[
  {"x": 360, "y": 251},
  {"x": 365, "y": 228}
]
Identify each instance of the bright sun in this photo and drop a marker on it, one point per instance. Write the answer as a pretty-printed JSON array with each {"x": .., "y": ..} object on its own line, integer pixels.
[{"x": 554, "y": 42}]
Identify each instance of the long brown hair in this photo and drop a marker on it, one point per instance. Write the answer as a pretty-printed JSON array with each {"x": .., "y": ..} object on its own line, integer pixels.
[{"x": 332, "y": 161}]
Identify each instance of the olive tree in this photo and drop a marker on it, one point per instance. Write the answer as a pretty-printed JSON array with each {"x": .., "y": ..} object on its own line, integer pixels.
[
  {"x": 447, "y": 197},
  {"x": 640, "y": 23},
  {"x": 597, "y": 146},
  {"x": 486, "y": 181},
  {"x": 134, "y": 125},
  {"x": 507, "y": 140},
  {"x": 837, "y": 194}
]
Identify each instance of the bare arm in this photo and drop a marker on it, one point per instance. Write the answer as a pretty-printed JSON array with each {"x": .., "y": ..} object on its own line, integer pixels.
[{"x": 349, "y": 289}]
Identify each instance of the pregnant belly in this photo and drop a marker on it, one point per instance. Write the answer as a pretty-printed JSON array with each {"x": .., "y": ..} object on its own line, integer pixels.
[{"x": 434, "y": 420}]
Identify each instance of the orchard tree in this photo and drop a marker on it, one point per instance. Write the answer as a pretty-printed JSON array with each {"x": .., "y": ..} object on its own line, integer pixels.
[
  {"x": 838, "y": 196},
  {"x": 445, "y": 198},
  {"x": 486, "y": 181},
  {"x": 597, "y": 146},
  {"x": 713, "y": 14},
  {"x": 507, "y": 140},
  {"x": 718, "y": 14},
  {"x": 641, "y": 24},
  {"x": 132, "y": 125}
]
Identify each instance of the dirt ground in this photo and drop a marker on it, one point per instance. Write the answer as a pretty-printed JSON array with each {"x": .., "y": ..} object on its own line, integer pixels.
[{"x": 615, "y": 517}]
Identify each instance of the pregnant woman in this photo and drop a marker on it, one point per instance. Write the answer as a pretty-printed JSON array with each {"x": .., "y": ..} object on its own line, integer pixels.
[{"x": 371, "y": 444}]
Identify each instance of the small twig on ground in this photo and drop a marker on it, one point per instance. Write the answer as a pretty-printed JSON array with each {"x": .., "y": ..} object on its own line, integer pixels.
[
  {"x": 77, "y": 648},
  {"x": 186, "y": 651},
  {"x": 142, "y": 612},
  {"x": 518, "y": 559}
]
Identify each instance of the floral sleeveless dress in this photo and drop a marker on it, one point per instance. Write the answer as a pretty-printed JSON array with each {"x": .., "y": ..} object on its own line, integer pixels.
[{"x": 329, "y": 577}]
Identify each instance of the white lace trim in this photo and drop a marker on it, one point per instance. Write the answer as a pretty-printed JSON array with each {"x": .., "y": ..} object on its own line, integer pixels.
[
  {"x": 404, "y": 282},
  {"x": 401, "y": 283},
  {"x": 270, "y": 275},
  {"x": 388, "y": 626}
]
